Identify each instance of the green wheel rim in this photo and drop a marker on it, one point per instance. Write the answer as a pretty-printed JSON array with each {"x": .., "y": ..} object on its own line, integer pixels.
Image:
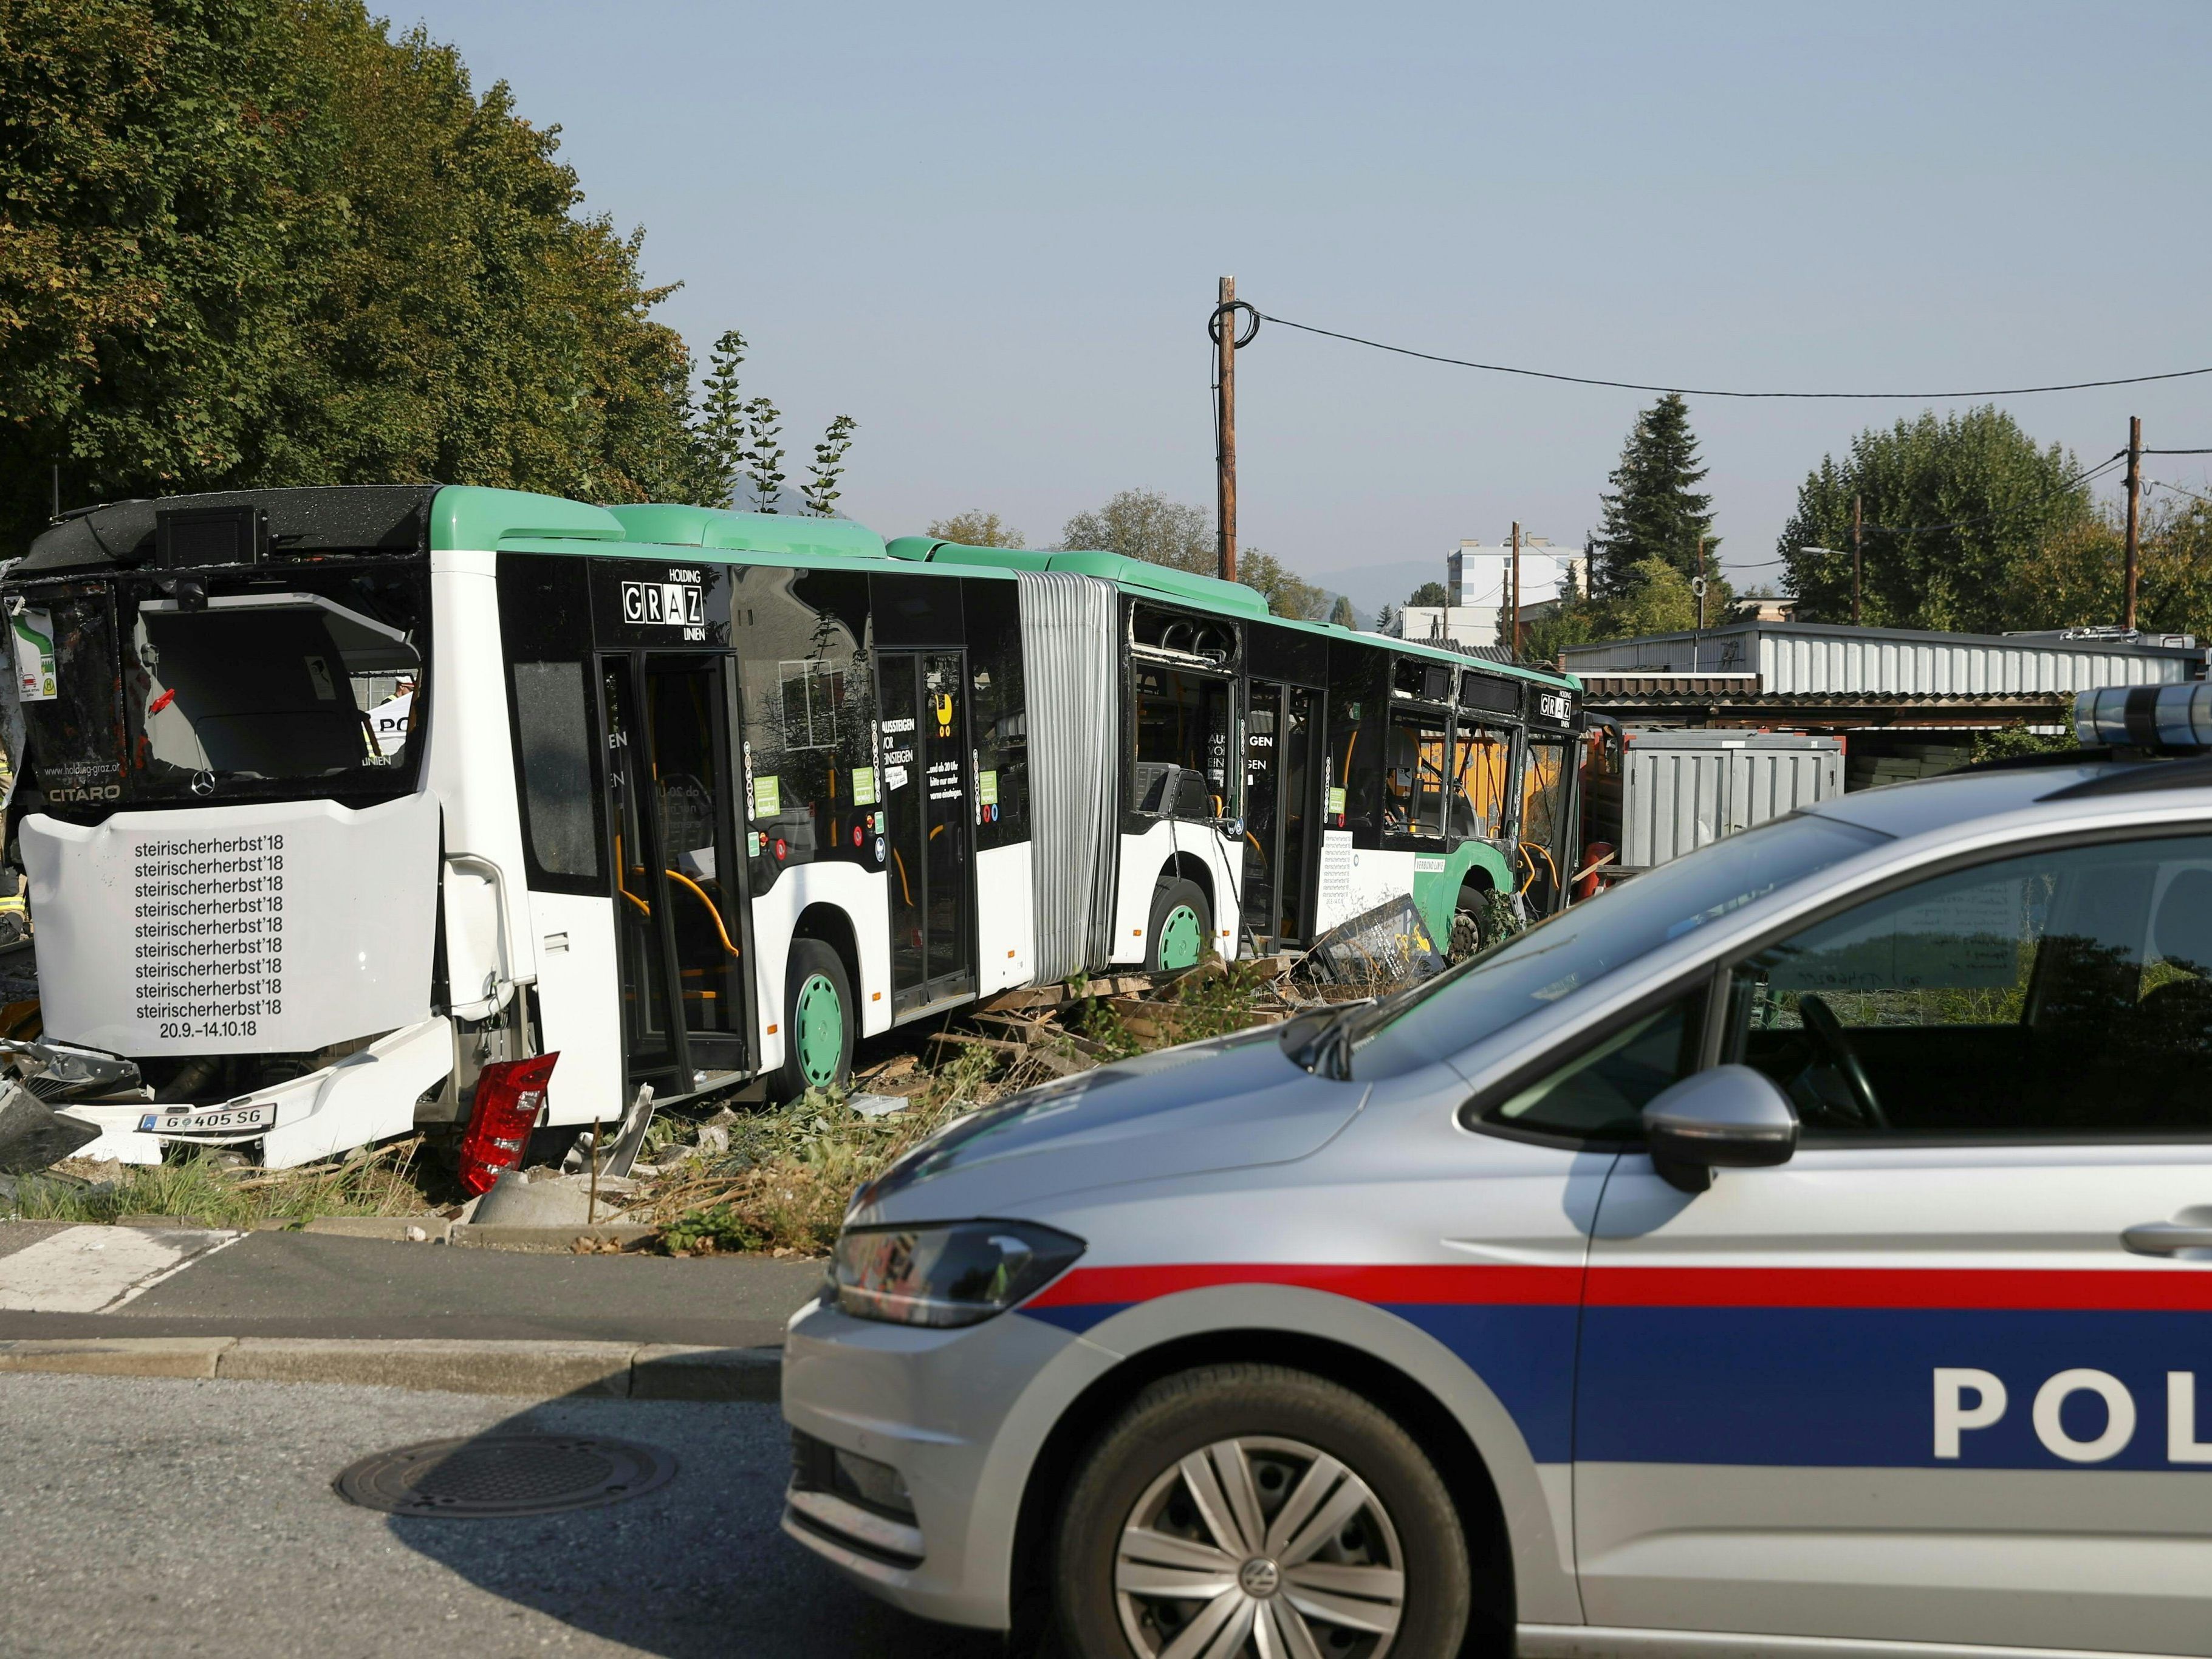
[
  {"x": 1179, "y": 938},
  {"x": 821, "y": 1030}
]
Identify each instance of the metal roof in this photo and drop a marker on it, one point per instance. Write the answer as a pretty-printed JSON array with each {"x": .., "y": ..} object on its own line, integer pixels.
[{"x": 1797, "y": 658}]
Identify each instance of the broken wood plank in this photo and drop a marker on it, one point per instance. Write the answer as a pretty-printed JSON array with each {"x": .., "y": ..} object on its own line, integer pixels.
[
  {"x": 1027, "y": 996},
  {"x": 970, "y": 1039}
]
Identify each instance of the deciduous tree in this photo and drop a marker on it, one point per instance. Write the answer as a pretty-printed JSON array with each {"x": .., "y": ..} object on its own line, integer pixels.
[
  {"x": 259, "y": 242},
  {"x": 976, "y": 528},
  {"x": 1959, "y": 511}
]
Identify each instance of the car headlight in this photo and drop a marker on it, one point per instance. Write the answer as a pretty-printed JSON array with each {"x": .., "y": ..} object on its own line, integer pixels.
[{"x": 957, "y": 1273}]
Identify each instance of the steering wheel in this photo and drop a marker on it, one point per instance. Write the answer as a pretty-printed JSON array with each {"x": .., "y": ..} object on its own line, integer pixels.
[{"x": 1828, "y": 1031}]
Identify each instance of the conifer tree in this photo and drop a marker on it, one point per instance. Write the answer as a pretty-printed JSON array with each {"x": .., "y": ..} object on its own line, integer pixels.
[{"x": 1654, "y": 510}]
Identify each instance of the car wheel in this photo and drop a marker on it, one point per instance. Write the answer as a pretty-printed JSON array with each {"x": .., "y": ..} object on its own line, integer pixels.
[
  {"x": 817, "y": 1021},
  {"x": 1181, "y": 926},
  {"x": 1255, "y": 1511}
]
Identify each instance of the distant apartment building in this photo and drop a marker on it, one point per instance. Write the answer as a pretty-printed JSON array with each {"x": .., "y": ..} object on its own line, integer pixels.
[{"x": 1479, "y": 586}]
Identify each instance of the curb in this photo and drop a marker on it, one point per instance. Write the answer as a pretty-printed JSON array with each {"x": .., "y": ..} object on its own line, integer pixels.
[
  {"x": 540, "y": 1370},
  {"x": 491, "y": 1236}
]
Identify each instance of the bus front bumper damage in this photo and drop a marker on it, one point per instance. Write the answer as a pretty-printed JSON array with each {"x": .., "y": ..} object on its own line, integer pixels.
[{"x": 367, "y": 1097}]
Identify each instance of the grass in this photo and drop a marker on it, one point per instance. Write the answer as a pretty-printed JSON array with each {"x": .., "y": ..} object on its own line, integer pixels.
[
  {"x": 387, "y": 1180},
  {"x": 790, "y": 1171}
]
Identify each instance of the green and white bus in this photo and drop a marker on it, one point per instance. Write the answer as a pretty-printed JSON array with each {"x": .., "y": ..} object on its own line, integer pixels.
[{"x": 330, "y": 798}]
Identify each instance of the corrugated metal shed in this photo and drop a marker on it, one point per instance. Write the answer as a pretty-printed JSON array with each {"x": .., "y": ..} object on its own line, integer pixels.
[{"x": 1797, "y": 659}]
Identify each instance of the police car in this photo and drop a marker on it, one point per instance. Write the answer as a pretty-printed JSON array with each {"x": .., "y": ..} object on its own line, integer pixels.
[{"x": 1805, "y": 1248}]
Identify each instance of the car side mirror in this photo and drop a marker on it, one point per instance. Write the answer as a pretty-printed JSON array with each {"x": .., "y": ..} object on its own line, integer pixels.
[{"x": 1728, "y": 1118}]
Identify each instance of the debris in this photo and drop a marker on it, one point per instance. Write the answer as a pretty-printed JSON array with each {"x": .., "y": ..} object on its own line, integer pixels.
[
  {"x": 417, "y": 1235},
  {"x": 1386, "y": 946},
  {"x": 714, "y": 1139},
  {"x": 514, "y": 1201},
  {"x": 878, "y": 1105},
  {"x": 33, "y": 1136}
]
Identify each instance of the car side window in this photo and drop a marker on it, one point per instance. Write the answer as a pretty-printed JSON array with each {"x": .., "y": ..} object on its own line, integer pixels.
[
  {"x": 2061, "y": 992},
  {"x": 1600, "y": 1092}
]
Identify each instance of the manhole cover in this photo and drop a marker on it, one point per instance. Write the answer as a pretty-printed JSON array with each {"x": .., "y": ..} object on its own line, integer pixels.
[{"x": 504, "y": 1474}]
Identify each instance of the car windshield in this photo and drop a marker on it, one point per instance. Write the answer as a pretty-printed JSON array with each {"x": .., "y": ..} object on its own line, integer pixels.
[{"x": 1535, "y": 969}]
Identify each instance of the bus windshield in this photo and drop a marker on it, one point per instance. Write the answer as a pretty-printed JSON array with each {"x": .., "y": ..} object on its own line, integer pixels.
[{"x": 307, "y": 688}]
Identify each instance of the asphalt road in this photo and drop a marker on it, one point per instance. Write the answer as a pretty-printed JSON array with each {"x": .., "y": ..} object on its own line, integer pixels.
[
  {"x": 284, "y": 1284},
  {"x": 164, "y": 1518}
]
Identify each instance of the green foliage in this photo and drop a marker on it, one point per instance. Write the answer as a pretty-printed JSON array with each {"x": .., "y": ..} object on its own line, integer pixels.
[
  {"x": 2011, "y": 742},
  {"x": 1102, "y": 1022},
  {"x": 820, "y": 491},
  {"x": 266, "y": 242},
  {"x": 718, "y": 437},
  {"x": 1654, "y": 597},
  {"x": 763, "y": 460},
  {"x": 1287, "y": 595},
  {"x": 1997, "y": 505},
  {"x": 374, "y": 1181},
  {"x": 710, "y": 1232},
  {"x": 1143, "y": 524},
  {"x": 1385, "y": 620},
  {"x": 1429, "y": 594},
  {"x": 976, "y": 528},
  {"x": 1214, "y": 1003},
  {"x": 1342, "y": 614},
  {"x": 1653, "y": 511}
]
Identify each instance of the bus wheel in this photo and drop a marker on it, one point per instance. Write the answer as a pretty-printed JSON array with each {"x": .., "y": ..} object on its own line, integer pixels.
[
  {"x": 1181, "y": 926},
  {"x": 817, "y": 1021},
  {"x": 1469, "y": 930}
]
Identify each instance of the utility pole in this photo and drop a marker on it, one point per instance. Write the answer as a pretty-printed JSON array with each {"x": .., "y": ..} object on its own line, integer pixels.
[
  {"x": 1224, "y": 459},
  {"x": 1516, "y": 590},
  {"x": 1857, "y": 525},
  {"x": 2134, "y": 504}
]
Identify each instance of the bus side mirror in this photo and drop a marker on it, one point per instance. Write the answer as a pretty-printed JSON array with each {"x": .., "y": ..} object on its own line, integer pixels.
[{"x": 1728, "y": 1118}]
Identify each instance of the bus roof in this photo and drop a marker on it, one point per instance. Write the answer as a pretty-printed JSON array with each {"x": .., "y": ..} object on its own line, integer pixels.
[{"x": 474, "y": 518}]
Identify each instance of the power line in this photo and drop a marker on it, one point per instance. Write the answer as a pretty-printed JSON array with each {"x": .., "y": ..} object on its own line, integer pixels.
[
  {"x": 2178, "y": 451},
  {"x": 2161, "y": 483},
  {"x": 1710, "y": 392}
]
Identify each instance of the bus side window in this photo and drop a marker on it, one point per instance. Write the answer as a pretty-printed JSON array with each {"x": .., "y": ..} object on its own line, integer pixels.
[
  {"x": 1000, "y": 733},
  {"x": 560, "y": 793},
  {"x": 1481, "y": 760},
  {"x": 809, "y": 711},
  {"x": 1358, "y": 697}
]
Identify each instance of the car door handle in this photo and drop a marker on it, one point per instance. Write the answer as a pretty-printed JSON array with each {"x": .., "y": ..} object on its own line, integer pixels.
[{"x": 2167, "y": 1237}]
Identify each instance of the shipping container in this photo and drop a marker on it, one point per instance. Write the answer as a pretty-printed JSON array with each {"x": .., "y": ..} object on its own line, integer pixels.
[{"x": 1682, "y": 789}]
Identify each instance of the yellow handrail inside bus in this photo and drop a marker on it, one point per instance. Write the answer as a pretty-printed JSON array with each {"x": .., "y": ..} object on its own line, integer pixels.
[
  {"x": 712, "y": 910},
  {"x": 644, "y": 908}
]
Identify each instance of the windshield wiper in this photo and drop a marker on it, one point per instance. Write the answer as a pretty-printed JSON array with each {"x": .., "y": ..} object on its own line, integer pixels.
[{"x": 1320, "y": 1043}]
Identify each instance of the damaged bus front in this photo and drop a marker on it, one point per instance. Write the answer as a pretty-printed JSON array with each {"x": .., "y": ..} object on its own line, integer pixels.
[{"x": 225, "y": 810}]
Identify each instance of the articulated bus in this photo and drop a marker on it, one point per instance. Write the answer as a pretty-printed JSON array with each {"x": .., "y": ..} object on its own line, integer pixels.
[{"x": 330, "y": 798}]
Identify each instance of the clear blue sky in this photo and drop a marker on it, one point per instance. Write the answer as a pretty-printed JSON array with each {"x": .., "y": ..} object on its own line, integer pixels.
[{"x": 992, "y": 233}]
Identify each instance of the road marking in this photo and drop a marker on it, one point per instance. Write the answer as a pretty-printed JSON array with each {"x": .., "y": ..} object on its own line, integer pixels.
[{"x": 98, "y": 1269}]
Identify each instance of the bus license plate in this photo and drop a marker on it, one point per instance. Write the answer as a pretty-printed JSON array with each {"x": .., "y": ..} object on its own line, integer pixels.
[{"x": 226, "y": 1120}]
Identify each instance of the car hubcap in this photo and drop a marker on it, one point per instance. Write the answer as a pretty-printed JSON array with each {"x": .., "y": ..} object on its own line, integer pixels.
[
  {"x": 821, "y": 1025},
  {"x": 1180, "y": 936},
  {"x": 1259, "y": 1548}
]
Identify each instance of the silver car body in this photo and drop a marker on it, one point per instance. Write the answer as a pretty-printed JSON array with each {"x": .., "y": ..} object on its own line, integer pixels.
[{"x": 1747, "y": 1460}]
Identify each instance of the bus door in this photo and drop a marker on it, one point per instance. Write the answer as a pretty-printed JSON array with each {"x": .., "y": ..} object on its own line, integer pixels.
[
  {"x": 679, "y": 875},
  {"x": 928, "y": 788},
  {"x": 1279, "y": 729}
]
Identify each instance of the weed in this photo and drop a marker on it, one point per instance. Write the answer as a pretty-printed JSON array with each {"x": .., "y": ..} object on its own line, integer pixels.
[{"x": 380, "y": 1181}]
